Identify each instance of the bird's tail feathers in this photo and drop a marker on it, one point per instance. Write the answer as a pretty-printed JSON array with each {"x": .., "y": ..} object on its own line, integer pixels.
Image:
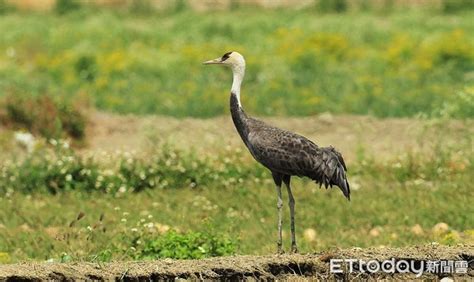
[{"x": 337, "y": 177}]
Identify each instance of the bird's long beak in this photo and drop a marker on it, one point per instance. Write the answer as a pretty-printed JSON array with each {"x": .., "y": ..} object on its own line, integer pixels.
[{"x": 216, "y": 61}]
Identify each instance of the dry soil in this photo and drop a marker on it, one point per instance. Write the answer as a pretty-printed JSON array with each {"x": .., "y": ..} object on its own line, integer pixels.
[{"x": 280, "y": 267}]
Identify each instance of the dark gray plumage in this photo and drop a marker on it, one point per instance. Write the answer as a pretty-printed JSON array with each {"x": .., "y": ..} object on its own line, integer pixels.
[
  {"x": 288, "y": 154},
  {"x": 284, "y": 153}
]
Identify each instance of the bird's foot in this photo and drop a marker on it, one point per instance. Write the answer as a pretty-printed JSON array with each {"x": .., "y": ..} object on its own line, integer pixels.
[
  {"x": 294, "y": 249},
  {"x": 280, "y": 250}
]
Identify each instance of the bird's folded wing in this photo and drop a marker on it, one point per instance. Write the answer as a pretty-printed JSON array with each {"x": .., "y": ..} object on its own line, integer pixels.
[
  {"x": 285, "y": 152},
  {"x": 290, "y": 153}
]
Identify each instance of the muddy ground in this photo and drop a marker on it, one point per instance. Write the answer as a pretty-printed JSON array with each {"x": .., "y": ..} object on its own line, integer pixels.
[{"x": 289, "y": 267}]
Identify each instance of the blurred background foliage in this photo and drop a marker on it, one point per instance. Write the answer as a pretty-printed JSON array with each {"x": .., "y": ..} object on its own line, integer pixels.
[{"x": 374, "y": 57}]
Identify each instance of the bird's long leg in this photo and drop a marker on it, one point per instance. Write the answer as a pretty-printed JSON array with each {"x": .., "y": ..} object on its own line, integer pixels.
[
  {"x": 291, "y": 203},
  {"x": 277, "y": 179}
]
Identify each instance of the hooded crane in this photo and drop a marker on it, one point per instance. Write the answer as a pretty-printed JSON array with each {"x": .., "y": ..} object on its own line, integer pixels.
[{"x": 284, "y": 153}]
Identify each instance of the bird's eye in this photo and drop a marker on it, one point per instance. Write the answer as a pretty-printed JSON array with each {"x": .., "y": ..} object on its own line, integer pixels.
[{"x": 226, "y": 56}]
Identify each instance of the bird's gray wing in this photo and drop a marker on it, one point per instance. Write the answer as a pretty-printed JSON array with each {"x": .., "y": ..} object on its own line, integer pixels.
[{"x": 292, "y": 154}]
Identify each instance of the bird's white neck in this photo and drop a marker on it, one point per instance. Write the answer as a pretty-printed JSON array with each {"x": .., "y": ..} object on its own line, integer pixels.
[{"x": 238, "y": 75}]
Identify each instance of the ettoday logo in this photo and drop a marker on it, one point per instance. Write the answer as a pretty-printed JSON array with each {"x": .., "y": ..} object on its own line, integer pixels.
[{"x": 417, "y": 267}]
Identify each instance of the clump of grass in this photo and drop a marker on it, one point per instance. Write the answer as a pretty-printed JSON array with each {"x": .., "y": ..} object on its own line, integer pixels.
[
  {"x": 337, "y": 6},
  {"x": 52, "y": 118},
  {"x": 66, "y": 6},
  {"x": 461, "y": 105},
  {"x": 140, "y": 7},
  {"x": 5, "y": 7},
  {"x": 190, "y": 245},
  {"x": 451, "y": 6}
]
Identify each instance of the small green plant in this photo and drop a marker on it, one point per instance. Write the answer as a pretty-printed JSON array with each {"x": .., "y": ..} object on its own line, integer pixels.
[
  {"x": 4, "y": 258},
  {"x": 141, "y": 7},
  {"x": 337, "y": 6},
  {"x": 66, "y": 6},
  {"x": 191, "y": 245},
  {"x": 451, "y": 6},
  {"x": 86, "y": 68},
  {"x": 179, "y": 6},
  {"x": 65, "y": 257},
  {"x": 5, "y": 7},
  {"x": 103, "y": 256}
]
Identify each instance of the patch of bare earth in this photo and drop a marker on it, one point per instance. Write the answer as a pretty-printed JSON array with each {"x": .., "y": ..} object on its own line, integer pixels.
[
  {"x": 379, "y": 137},
  {"x": 247, "y": 267}
]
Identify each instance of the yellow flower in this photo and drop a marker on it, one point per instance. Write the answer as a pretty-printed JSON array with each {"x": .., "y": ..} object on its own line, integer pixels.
[
  {"x": 4, "y": 257},
  {"x": 113, "y": 62}
]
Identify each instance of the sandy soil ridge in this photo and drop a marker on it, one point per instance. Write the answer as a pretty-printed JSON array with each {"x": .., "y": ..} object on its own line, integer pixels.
[{"x": 245, "y": 267}]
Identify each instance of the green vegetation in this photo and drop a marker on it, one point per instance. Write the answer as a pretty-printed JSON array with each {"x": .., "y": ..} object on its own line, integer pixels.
[
  {"x": 299, "y": 62},
  {"x": 50, "y": 117},
  {"x": 60, "y": 169},
  {"x": 65, "y": 6},
  {"x": 188, "y": 246},
  {"x": 56, "y": 167},
  {"x": 173, "y": 203}
]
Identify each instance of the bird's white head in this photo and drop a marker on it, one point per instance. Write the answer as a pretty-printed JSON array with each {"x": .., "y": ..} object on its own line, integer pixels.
[
  {"x": 232, "y": 59},
  {"x": 237, "y": 63}
]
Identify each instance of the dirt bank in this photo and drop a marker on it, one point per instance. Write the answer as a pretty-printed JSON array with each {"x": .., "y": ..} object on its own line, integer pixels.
[{"x": 249, "y": 267}]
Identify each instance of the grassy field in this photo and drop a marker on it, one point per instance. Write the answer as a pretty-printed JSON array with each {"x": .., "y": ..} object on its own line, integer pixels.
[
  {"x": 299, "y": 62},
  {"x": 101, "y": 205},
  {"x": 163, "y": 183}
]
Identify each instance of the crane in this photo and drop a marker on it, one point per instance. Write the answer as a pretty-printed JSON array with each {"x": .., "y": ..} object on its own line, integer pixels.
[{"x": 284, "y": 153}]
